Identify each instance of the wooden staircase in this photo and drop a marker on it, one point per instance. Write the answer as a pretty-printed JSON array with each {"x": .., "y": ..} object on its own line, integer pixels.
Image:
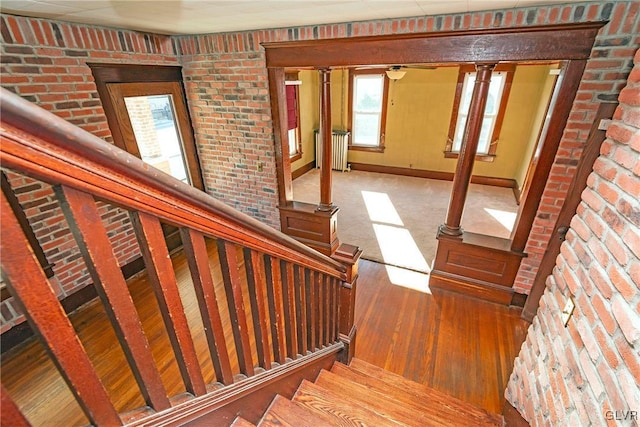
[{"x": 364, "y": 395}]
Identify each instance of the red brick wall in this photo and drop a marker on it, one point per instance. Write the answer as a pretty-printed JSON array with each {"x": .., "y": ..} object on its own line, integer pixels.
[
  {"x": 228, "y": 99},
  {"x": 228, "y": 96},
  {"x": 46, "y": 62},
  {"x": 605, "y": 75},
  {"x": 579, "y": 374},
  {"x": 227, "y": 84}
]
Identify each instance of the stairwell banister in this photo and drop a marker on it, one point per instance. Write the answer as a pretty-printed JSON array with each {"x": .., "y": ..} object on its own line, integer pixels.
[
  {"x": 85, "y": 162},
  {"x": 300, "y": 286}
]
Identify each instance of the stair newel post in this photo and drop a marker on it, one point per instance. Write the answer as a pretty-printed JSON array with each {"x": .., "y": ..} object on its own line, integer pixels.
[{"x": 349, "y": 256}]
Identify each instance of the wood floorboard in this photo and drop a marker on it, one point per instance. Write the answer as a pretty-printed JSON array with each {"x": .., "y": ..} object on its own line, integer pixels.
[
  {"x": 39, "y": 390},
  {"x": 458, "y": 345}
]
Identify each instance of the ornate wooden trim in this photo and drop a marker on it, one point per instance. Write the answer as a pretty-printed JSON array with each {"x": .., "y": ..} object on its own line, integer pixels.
[
  {"x": 305, "y": 223},
  {"x": 477, "y": 265},
  {"x": 566, "y": 41}
]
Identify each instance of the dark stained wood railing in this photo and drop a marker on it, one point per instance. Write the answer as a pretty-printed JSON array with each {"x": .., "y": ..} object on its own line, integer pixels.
[{"x": 290, "y": 308}]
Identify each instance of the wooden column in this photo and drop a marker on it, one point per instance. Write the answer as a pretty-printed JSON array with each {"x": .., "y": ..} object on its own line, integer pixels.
[
  {"x": 325, "y": 136},
  {"x": 468, "y": 149}
]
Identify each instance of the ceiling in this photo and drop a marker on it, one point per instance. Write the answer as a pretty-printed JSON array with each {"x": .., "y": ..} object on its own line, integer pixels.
[{"x": 215, "y": 16}]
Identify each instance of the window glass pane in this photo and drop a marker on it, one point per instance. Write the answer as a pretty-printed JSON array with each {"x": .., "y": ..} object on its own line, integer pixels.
[
  {"x": 467, "y": 91},
  {"x": 493, "y": 105},
  {"x": 366, "y": 129},
  {"x": 293, "y": 142},
  {"x": 368, "y": 93},
  {"x": 462, "y": 120},
  {"x": 485, "y": 135},
  {"x": 495, "y": 93},
  {"x": 367, "y": 109},
  {"x": 156, "y": 133}
]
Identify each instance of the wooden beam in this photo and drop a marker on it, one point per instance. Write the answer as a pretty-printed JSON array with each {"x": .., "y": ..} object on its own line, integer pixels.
[{"x": 567, "y": 41}]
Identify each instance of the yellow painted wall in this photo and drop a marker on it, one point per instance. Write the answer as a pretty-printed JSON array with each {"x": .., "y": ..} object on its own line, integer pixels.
[
  {"x": 309, "y": 116},
  {"x": 418, "y": 112},
  {"x": 340, "y": 99},
  {"x": 545, "y": 95},
  {"x": 418, "y": 116}
]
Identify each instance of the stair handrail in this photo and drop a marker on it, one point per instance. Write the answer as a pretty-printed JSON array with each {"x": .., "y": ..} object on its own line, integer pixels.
[{"x": 44, "y": 145}]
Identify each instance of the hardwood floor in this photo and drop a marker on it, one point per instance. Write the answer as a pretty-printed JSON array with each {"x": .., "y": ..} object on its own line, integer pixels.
[
  {"x": 39, "y": 390},
  {"x": 456, "y": 344}
]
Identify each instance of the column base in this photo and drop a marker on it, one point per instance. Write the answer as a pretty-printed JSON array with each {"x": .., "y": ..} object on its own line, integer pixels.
[
  {"x": 444, "y": 229},
  {"x": 316, "y": 229}
]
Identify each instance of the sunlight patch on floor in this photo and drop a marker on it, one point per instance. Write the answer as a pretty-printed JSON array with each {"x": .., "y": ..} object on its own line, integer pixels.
[
  {"x": 380, "y": 208},
  {"x": 408, "y": 279},
  {"x": 505, "y": 218},
  {"x": 398, "y": 247}
]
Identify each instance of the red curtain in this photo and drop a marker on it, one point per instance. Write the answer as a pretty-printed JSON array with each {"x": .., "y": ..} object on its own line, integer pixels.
[{"x": 292, "y": 107}]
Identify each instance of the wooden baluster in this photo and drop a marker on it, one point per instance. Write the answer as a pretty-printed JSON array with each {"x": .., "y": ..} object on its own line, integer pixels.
[
  {"x": 289, "y": 308},
  {"x": 163, "y": 282},
  {"x": 332, "y": 306},
  {"x": 195, "y": 249},
  {"x": 235, "y": 302},
  {"x": 87, "y": 228},
  {"x": 11, "y": 415},
  {"x": 309, "y": 294},
  {"x": 301, "y": 310},
  {"x": 32, "y": 292},
  {"x": 257, "y": 294},
  {"x": 327, "y": 309},
  {"x": 336, "y": 326},
  {"x": 320, "y": 310},
  {"x": 274, "y": 297}
]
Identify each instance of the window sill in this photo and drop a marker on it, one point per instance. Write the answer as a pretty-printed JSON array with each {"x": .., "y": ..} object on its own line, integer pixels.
[
  {"x": 379, "y": 149},
  {"x": 479, "y": 157},
  {"x": 295, "y": 157}
]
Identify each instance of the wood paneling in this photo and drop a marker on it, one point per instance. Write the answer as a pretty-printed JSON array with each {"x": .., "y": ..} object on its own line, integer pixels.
[
  {"x": 479, "y": 265},
  {"x": 313, "y": 227},
  {"x": 453, "y": 343}
]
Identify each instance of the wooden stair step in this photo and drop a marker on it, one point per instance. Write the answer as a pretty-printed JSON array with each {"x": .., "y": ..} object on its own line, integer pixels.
[
  {"x": 343, "y": 412},
  {"x": 384, "y": 404},
  {"x": 241, "y": 422},
  {"x": 412, "y": 397},
  {"x": 452, "y": 407},
  {"x": 285, "y": 413}
]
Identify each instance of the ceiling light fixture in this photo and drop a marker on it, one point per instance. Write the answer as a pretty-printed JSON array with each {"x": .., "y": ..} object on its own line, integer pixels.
[{"x": 395, "y": 73}]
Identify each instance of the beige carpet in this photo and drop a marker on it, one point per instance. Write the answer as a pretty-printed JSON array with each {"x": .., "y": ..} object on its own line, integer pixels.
[{"x": 394, "y": 218}]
